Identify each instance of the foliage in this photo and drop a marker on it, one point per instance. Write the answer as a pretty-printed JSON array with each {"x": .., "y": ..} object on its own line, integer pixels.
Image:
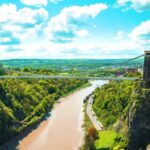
[
  {"x": 90, "y": 138},
  {"x": 2, "y": 70},
  {"x": 92, "y": 132},
  {"x": 25, "y": 101},
  {"x": 111, "y": 105},
  {"x": 111, "y": 101},
  {"x": 79, "y": 67}
]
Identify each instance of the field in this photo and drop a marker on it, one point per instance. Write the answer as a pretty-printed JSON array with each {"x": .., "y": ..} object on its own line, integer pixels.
[{"x": 106, "y": 140}]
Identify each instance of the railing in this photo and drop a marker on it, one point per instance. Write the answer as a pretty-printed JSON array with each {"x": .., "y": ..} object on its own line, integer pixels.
[{"x": 68, "y": 77}]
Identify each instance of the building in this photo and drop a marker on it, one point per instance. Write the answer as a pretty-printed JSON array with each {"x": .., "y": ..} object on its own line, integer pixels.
[{"x": 131, "y": 70}]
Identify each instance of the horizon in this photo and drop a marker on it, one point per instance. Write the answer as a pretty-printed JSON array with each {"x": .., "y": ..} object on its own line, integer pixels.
[
  {"x": 67, "y": 29},
  {"x": 65, "y": 59}
]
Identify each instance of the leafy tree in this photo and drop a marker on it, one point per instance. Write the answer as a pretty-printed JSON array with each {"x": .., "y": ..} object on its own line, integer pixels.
[{"x": 25, "y": 101}]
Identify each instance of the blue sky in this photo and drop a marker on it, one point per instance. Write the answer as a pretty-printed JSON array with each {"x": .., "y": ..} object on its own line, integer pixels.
[{"x": 74, "y": 28}]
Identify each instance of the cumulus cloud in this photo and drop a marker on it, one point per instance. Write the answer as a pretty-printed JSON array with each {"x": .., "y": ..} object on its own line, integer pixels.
[
  {"x": 37, "y": 3},
  {"x": 141, "y": 33},
  {"x": 121, "y": 49},
  {"x": 18, "y": 25},
  {"x": 82, "y": 33},
  {"x": 139, "y": 5},
  {"x": 10, "y": 14},
  {"x": 7, "y": 38},
  {"x": 55, "y": 1},
  {"x": 66, "y": 26},
  {"x": 12, "y": 49}
]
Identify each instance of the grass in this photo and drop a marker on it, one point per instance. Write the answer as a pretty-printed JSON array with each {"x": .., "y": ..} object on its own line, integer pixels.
[
  {"x": 106, "y": 140},
  {"x": 111, "y": 140}
]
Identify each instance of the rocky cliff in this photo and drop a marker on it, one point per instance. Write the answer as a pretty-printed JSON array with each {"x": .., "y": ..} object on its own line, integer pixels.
[{"x": 139, "y": 119}]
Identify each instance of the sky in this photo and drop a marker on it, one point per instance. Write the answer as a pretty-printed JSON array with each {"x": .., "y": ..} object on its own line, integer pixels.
[{"x": 74, "y": 29}]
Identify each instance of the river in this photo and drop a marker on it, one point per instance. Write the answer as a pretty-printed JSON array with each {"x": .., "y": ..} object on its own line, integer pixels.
[{"x": 63, "y": 129}]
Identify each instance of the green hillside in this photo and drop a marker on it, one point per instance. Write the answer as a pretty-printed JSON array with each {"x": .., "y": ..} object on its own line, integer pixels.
[{"x": 25, "y": 102}]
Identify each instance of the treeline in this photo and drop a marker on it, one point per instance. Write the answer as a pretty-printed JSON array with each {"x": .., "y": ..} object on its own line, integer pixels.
[
  {"x": 124, "y": 107},
  {"x": 25, "y": 101},
  {"x": 111, "y": 105},
  {"x": 112, "y": 100},
  {"x": 2, "y": 70}
]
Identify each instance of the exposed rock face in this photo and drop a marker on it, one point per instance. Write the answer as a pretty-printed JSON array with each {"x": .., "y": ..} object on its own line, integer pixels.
[{"x": 139, "y": 120}]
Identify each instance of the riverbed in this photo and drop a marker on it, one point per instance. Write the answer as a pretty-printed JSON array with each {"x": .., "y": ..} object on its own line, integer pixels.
[{"x": 63, "y": 129}]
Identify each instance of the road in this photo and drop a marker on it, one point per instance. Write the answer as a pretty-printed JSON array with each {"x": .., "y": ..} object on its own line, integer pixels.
[{"x": 92, "y": 115}]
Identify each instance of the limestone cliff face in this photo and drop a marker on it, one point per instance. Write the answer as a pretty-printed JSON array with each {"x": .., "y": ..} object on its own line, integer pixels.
[{"x": 139, "y": 120}]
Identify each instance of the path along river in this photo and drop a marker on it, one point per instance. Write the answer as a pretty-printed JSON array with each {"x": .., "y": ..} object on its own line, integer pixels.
[{"x": 63, "y": 129}]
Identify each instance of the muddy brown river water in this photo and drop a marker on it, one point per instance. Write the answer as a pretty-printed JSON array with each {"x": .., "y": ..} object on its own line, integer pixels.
[{"x": 63, "y": 129}]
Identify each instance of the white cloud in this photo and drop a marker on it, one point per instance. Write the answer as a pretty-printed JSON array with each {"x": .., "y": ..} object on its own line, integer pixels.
[
  {"x": 138, "y": 5},
  {"x": 20, "y": 24},
  {"x": 122, "y": 2},
  {"x": 82, "y": 33},
  {"x": 5, "y": 40},
  {"x": 67, "y": 25},
  {"x": 21, "y": 34},
  {"x": 7, "y": 12},
  {"x": 89, "y": 49},
  {"x": 141, "y": 33},
  {"x": 10, "y": 14},
  {"x": 55, "y": 1},
  {"x": 35, "y": 2}
]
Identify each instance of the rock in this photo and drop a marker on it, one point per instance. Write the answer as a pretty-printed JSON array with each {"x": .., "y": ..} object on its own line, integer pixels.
[{"x": 139, "y": 121}]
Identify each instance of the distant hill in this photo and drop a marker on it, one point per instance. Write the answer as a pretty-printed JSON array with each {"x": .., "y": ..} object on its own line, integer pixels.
[{"x": 66, "y": 63}]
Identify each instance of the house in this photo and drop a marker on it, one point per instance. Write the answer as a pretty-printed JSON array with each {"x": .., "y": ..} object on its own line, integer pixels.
[{"x": 131, "y": 70}]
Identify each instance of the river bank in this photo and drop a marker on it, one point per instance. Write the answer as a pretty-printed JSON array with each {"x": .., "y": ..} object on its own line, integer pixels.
[
  {"x": 25, "y": 129},
  {"x": 63, "y": 129}
]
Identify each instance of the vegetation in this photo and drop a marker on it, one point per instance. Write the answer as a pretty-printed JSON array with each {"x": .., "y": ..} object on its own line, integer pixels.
[
  {"x": 89, "y": 143},
  {"x": 110, "y": 139},
  {"x": 123, "y": 107},
  {"x": 68, "y": 63},
  {"x": 112, "y": 101},
  {"x": 111, "y": 105},
  {"x": 78, "y": 67},
  {"x": 106, "y": 140},
  {"x": 90, "y": 138},
  {"x": 2, "y": 70},
  {"x": 24, "y": 102}
]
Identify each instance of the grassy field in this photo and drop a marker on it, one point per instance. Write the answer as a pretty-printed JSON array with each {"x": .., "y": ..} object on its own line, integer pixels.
[
  {"x": 111, "y": 140},
  {"x": 106, "y": 140}
]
